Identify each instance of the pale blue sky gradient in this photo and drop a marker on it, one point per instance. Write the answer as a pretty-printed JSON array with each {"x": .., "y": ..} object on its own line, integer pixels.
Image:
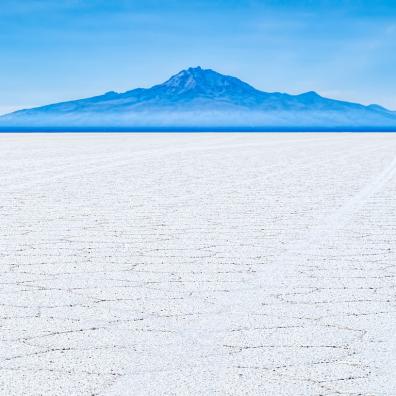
[{"x": 67, "y": 49}]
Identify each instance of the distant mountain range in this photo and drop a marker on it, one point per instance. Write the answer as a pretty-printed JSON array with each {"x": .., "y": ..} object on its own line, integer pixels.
[{"x": 203, "y": 99}]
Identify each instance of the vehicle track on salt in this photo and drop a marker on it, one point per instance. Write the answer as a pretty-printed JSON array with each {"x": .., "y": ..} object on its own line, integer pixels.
[{"x": 317, "y": 375}]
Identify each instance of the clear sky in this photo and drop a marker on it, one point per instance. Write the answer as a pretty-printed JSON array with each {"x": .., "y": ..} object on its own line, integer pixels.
[{"x": 54, "y": 50}]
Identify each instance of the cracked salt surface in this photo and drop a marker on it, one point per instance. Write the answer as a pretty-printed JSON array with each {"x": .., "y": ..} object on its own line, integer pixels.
[{"x": 190, "y": 264}]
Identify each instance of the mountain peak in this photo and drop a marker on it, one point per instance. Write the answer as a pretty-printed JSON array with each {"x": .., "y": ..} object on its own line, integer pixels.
[
  {"x": 204, "y": 81},
  {"x": 189, "y": 78},
  {"x": 195, "y": 69}
]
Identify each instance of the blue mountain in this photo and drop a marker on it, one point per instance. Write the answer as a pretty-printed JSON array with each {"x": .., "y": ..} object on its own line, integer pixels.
[{"x": 204, "y": 98}]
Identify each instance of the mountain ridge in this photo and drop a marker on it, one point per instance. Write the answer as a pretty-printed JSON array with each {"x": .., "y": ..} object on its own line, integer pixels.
[{"x": 203, "y": 97}]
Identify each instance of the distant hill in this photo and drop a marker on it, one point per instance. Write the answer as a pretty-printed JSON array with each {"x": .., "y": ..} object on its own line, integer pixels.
[{"x": 199, "y": 98}]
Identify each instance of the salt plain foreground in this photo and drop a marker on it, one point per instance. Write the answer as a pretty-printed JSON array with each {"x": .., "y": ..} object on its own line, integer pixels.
[{"x": 197, "y": 264}]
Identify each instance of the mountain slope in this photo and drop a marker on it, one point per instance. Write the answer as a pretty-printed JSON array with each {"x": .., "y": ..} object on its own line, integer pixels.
[{"x": 197, "y": 97}]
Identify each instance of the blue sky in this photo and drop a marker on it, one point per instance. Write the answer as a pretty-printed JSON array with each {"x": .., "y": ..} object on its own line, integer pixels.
[{"x": 65, "y": 49}]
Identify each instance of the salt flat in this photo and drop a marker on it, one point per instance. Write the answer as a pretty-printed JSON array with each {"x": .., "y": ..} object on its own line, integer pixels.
[{"x": 197, "y": 264}]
